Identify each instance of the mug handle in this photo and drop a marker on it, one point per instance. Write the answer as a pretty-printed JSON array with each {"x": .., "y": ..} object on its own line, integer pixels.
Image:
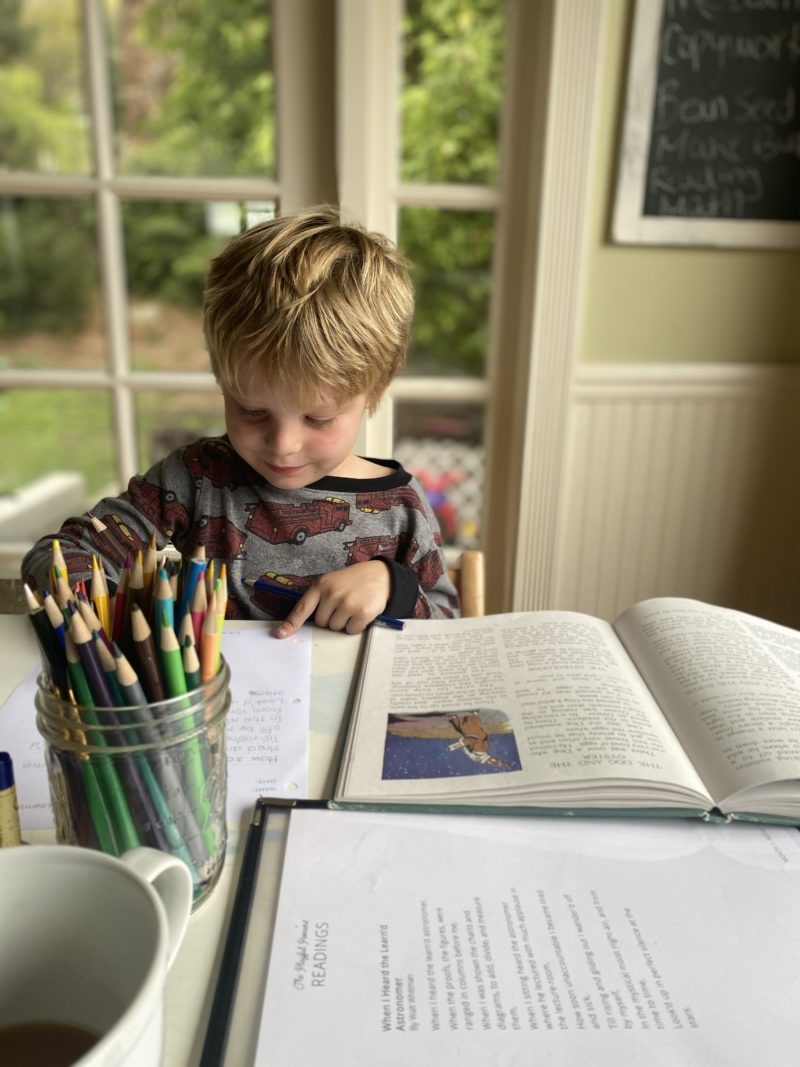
[{"x": 172, "y": 882}]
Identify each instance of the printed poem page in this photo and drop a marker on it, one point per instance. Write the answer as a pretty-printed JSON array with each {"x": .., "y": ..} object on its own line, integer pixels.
[{"x": 472, "y": 940}]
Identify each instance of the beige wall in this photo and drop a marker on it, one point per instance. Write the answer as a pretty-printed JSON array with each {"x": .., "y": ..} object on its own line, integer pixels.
[
  {"x": 683, "y": 429},
  {"x": 675, "y": 305}
]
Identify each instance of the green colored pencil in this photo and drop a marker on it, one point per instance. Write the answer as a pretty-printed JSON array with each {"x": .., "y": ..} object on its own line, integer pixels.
[
  {"x": 115, "y": 797},
  {"x": 175, "y": 684}
]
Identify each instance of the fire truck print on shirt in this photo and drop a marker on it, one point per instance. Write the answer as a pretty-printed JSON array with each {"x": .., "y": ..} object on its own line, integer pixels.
[{"x": 207, "y": 495}]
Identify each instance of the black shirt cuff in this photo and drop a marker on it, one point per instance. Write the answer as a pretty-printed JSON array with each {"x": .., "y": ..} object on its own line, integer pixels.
[{"x": 405, "y": 589}]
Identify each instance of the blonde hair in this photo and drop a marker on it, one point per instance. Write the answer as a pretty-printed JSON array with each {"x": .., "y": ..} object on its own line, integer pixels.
[{"x": 316, "y": 306}]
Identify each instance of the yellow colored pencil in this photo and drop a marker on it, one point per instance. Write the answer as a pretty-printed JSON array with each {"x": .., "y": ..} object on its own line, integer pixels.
[{"x": 98, "y": 594}]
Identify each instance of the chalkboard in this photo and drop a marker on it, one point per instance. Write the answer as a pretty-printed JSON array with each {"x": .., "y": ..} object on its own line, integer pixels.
[{"x": 711, "y": 141}]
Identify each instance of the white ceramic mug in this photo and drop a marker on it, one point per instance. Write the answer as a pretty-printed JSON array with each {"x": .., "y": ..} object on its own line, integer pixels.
[{"x": 87, "y": 940}]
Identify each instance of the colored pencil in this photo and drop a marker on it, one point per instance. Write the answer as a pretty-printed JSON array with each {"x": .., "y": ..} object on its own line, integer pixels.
[
  {"x": 149, "y": 571},
  {"x": 112, "y": 547},
  {"x": 198, "y": 610},
  {"x": 119, "y": 626},
  {"x": 175, "y": 682},
  {"x": 193, "y": 573},
  {"x": 98, "y": 594},
  {"x": 144, "y": 651},
  {"x": 136, "y": 581},
  {"x": 125, "y": 830},
  {"x": 163, "y": 602},
  {"x": 164, "y": 828},
  {"x": 49, "y": 647},
  {"x": 58, "y": 564},
  {"x": 295, "y": 594},
  {"x": 96, "y": 804},
  {"x": 129, "y": 770},
  {"x": 61, "y": 590},
  {"x": 191, "y": 663},
  {"x": 186, "y": 630},
  {"x": 55, "y": 616},
  {"x": 170, "y": 780},
  {"x": 210, "y": 642},
  {"x": 92, "y": 619}
]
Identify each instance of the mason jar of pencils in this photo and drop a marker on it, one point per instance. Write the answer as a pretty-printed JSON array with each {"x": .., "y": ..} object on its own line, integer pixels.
[{"x": 139, "y": 772}]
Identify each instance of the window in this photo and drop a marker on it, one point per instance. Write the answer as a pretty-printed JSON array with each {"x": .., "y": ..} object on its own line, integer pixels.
[
  {"x": 137, "y": 137},
  {"x": 430, "y": 180}
]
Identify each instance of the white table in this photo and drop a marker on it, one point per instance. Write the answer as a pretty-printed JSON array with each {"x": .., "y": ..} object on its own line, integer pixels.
[{"x": 190, "y": 988}]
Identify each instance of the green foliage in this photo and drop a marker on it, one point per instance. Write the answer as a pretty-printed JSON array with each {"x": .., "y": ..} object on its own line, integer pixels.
[
  {"x": 210, "y": 112},
  {"x": 216, "y": 115},
  {"x": 63, "y": 429},
  {"x": 15, "y": 38},
  {"x": 50, "y": 274},
  {"x": 451, "y": 253},
  {"x": 41, "y": 93},
  {"x": 452, "y": 90},
  {"x": 451, "y": 97},
  {"x": 167, "y": 250}
]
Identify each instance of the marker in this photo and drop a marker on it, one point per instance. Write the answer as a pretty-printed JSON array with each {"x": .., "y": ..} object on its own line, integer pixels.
[
  {"x": 295, "y": 594},
  {"x": 9, "y": 813}
]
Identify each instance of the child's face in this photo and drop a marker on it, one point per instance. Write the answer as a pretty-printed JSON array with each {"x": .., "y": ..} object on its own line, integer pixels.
[{"x": 289, "y": 445}]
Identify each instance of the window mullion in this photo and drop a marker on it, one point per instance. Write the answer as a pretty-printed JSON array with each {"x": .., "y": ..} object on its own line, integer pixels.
[
  {"x": 368, "y": 92},
  {"x": 110, "y": 237},
  {"x": 305, "y": 64}
]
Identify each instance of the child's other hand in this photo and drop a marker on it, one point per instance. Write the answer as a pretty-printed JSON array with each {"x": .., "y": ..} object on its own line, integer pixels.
[{"x": 348, "y": 599}]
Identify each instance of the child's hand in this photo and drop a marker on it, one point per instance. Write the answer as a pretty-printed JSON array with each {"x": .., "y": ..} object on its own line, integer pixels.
[{"x": 348, "y": 599}]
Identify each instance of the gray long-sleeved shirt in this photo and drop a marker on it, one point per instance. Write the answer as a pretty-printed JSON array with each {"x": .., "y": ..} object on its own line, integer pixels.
[{"x": 206, "y": 495}]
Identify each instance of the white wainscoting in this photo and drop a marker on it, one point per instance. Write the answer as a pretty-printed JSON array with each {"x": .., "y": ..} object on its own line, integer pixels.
[{"x": 682, "y": 481}]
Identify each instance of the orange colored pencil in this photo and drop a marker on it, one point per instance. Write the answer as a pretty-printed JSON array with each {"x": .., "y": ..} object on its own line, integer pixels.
[{"x": 210, "y": 642}]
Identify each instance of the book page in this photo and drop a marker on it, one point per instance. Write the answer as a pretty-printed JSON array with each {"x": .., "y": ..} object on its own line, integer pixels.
[
  {"x": 469, "y": 940},
  {"x": 555, "y": 694},
  {"x": 729, "y": 684}
]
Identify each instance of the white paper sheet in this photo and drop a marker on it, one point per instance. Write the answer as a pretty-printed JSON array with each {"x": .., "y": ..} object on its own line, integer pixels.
[
  {"x": 267, "y": 735},
  {"x": 267, "y": 726},
  {"x": 485, "y": 940}
]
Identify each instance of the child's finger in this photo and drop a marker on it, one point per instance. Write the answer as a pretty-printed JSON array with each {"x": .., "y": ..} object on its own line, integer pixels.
[{"x": 303, "y": 610}]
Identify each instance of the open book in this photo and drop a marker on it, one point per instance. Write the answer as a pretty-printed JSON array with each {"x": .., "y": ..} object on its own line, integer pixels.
[{"x": 677, "y": 708}]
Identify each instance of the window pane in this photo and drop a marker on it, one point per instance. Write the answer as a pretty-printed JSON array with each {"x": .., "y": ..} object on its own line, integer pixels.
[
  {"x": 442, "y": 445},
  {"x": 168, "y": 247},
  {"x": 65, "y": 431},
  {"x": 166, "y": 421},
  {"x": 43, "y": 112},
  {"x": 49, "y": 302},
  {"x": 452, "y": 90},
  {"x": 451, "y": 255},
  {"x": 194, "y": 87}
]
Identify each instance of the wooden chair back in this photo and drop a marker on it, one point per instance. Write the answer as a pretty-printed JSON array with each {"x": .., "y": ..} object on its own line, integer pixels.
[{"x": 468, "y": 578}]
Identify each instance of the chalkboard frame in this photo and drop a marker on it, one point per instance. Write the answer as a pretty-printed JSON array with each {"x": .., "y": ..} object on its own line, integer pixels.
[{"x": 630, "y": 225}]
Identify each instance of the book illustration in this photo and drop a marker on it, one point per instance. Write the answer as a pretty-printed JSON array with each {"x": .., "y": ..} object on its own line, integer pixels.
[{"x": 447, "y": 744}]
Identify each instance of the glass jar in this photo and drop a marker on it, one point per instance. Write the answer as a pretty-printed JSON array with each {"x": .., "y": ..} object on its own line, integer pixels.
[{"x": 146, "y": 774}]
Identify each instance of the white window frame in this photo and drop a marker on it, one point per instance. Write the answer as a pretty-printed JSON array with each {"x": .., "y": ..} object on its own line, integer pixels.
[
  {"x": 369, "y": 65},
  {"x": 303, "y": 59}
]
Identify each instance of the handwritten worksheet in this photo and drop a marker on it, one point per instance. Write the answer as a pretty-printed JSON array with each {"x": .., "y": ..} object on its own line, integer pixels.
[{"x": 266, "y": 734}]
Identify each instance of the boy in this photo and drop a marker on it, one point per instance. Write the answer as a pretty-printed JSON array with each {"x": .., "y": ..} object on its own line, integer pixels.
[{"x": 306, "y": 322}]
